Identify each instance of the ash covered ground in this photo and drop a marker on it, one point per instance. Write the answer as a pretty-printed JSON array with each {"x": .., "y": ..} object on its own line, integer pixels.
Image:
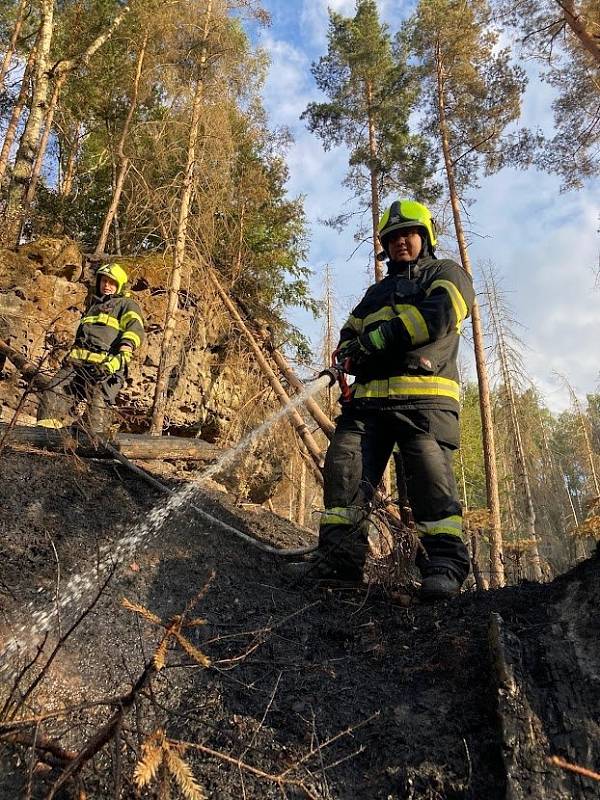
[{"x": 346, "y": 694}]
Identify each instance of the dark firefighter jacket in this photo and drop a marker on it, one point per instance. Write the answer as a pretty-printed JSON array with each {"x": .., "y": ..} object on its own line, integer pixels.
[
  {"x": 419, "y": 310},
  {"x": 111, "y": 321}
]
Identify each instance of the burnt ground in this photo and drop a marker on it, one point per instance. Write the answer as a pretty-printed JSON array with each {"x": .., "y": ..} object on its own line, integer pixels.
[{"x": 358, "y": 696}]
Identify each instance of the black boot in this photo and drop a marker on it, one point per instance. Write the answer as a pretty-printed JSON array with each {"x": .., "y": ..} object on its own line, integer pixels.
[
  {"x": 319, "y": 569},
  {"x": 439, "y": 584}
]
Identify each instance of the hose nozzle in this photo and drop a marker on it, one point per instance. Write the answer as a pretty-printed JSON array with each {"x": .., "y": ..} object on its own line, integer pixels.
[{"x": 331, "y": 373}]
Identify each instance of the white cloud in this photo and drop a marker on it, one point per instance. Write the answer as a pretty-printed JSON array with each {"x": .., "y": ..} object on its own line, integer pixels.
[
  {"x": 543, "y": 243},
  {"x": 544, "y": 246},
  {"x": 289, "y": 84}
]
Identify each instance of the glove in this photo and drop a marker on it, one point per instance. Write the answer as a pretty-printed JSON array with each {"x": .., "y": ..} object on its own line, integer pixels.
[
  {"x": 360, "y": 349},
  {"x": 117, "y": 362}
]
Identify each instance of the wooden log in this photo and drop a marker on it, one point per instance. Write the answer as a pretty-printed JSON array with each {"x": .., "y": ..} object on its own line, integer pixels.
[
  {"x": 140, "y": 446},
  {"x": 134, "y": 446}
]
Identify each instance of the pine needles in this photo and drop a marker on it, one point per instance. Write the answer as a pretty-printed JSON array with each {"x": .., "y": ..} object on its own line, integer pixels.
[{"x": 161, "y": 755}]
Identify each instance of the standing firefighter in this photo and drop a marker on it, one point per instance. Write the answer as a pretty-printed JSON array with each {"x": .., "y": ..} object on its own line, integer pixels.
[
  {"x": 402, "y": 342},
  {"x": 95, "y": 369}
]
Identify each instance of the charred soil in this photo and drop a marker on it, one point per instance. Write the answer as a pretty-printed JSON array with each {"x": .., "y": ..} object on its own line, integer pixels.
[{"x": 345, "y": 693}]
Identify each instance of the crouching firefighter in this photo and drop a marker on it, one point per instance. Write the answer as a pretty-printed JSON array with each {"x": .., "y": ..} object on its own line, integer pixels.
[
  {"x": 95, "y": 369},
  {"x": 402, "y": 345}
]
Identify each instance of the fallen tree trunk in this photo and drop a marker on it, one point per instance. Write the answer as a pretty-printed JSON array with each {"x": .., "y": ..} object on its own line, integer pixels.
[
  {"x": 131, "y": 445},
  {"x": 299, "y": 424},
  {"x": 313, "y": 408}
]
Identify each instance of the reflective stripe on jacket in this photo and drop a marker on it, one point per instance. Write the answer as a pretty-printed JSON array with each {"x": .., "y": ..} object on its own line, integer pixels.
[
  {"x": 418, "y": 311},
  {"x": 109, "y": 323}
]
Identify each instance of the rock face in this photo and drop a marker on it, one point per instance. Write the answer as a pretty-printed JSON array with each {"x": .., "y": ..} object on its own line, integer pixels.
[{"x": 43, "y": 291}]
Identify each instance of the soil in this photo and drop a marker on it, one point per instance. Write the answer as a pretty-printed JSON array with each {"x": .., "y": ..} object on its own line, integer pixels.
[{"x": 358, "y": 695}]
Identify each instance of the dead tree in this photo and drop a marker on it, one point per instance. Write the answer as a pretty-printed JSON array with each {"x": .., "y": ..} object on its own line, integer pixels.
[
  {"x": 17, "y": 111},
  {"x": 34, "y": 141},
  {"x": 485, "y": 405},
  {"x": 12, "y": 45},
  {"x": 25, "y": 157},
  {"x": 508, "y": 361},
  {"x": 122, "y": 159},
  {"x": 283, "y": 397},
  {"x": 589, "y": 453},
  {"x": 187, "y": 189}
]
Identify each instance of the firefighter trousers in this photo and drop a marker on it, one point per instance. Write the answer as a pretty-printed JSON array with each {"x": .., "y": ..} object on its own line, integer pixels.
[
  {"x": 72, "y": 384},
  {"x": 356, "y": 459}
]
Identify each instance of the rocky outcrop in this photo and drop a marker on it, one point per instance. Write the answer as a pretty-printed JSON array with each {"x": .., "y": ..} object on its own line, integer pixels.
[{"x": 43, "y": 291}]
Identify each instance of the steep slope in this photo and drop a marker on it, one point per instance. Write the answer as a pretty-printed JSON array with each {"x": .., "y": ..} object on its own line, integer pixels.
[{"x": 355, "y": 696}]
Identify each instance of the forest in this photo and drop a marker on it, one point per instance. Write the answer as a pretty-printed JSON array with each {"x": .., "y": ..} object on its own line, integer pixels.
[{"x": 141, "y": 132}]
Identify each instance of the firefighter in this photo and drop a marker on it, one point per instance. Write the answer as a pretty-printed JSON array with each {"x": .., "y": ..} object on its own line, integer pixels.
[
  {"x": 402, "y": 344},
  {"x": 95, "y": 369}
]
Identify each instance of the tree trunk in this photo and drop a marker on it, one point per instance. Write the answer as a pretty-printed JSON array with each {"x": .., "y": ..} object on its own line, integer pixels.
[
  {"x": 132, "y": 445},
  {"x": 29, "y": 140},
  {"x": 66, "y": 186},
  {"x": 300, "y": 515},
  {"x": 586, "y": 38},
  {"x": 10, "y": 50},
  {"x": 489, "y": 448},
  {"x": 329, "y": 342},
  {"x": 30, "y": 148},
  {"x": 187, "y": 188},
  {"x": 41, "y": 152},
  {"x": 13, "y": 123},
  {"x": 122, "y": 159},
  {"x": 283, "y": 397},
  {"x": 373, "y": 180},
  {"x": 292, "y": 490},
  {"x": 480, "y": 579},
  {"x": 593, "y": 476}
]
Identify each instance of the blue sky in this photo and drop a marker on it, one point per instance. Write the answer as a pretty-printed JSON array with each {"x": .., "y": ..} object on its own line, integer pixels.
[{"x": 544, "y": 244}]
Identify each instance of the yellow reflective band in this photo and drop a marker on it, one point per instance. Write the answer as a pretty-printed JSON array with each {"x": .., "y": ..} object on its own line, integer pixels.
[
  {"x": 340, "y": 515},
  {"x": 79, "y": 354},
  {"x": 101, "y": 319},
  {"x": 128, "y": 316},
  {"x": 458, "y": 302},
  {"x": 54, "y": 424},
  {"x": 451, "y": 526},
  {"x": 415, "y": 325},
  {"x": 413, "y": 385},
  {"x": 130, "y": 336},
  {"x": 354, "y": 323},
  {"x": 382, "y": 315}
]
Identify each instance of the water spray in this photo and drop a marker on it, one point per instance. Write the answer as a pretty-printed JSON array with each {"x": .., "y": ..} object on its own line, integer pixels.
[{"x": 81, "y": 586}]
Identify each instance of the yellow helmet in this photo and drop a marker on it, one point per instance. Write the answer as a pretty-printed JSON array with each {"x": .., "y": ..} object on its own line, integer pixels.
[
  {"x": 115, "y": 272},
  {"x": 406, "y": 214}
]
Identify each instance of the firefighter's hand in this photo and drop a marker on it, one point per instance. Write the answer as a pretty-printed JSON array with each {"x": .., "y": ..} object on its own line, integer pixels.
[
  {"x": 117, "y": 362},
  {"x": 361, "y": 348}
]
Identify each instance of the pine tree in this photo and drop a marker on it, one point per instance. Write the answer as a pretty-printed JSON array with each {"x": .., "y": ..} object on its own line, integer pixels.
[
  {"x": 371, "y": 93},
  {"x": 564, "y": 37},
  {"x": 470, "y": 93}
]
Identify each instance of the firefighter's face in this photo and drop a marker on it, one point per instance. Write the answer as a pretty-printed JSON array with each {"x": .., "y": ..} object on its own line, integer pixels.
[
  {"x": 405, "y": 244},
  {"x": 107, "y": 285}
]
